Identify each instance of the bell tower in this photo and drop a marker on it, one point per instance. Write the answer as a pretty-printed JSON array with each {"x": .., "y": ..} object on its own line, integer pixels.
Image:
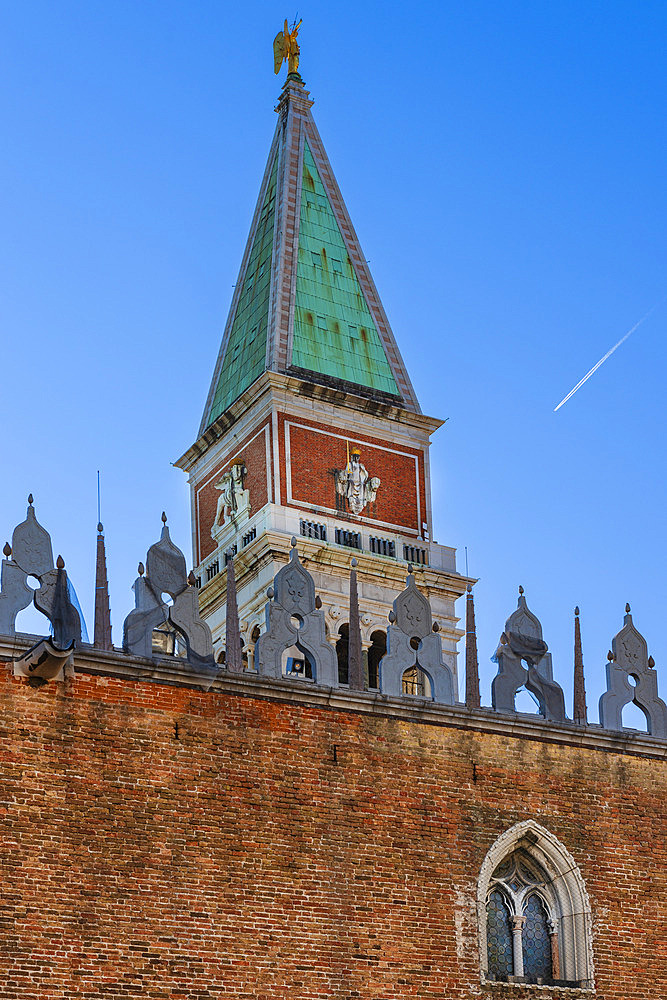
[{"x": 311, "y": 427}]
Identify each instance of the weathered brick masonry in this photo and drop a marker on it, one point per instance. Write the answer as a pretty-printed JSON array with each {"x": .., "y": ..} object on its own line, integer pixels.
[{"x": 161, "y": 841}]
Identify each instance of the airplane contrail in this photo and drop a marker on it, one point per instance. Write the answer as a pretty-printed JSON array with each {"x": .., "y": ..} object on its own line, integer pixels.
[{"x": 602, "y": 360}]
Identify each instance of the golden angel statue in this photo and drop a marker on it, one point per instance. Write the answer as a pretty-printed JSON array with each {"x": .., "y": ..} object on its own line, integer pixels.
[{"x": 285, "y": 46}]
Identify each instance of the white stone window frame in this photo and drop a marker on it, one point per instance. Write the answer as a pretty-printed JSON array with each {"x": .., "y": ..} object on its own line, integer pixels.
[{"x": 565, "y": 899}]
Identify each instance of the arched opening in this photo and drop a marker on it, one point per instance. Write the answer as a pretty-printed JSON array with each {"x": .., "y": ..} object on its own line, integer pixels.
[
  {"x": 220, "y": 657},
  {"x": 30, "y": 621},
  {"x": 166, "y": 641},
  {"x": 417, "y": 683},
  {"x": 533, "y": 910},
  {"x": 342, "y": 646},
  {"x": 525, "y": 701},
  {"x": 376, "y": 651},
  {"x": 296, "y": 661},
  {"x": 633, "y": 716}
]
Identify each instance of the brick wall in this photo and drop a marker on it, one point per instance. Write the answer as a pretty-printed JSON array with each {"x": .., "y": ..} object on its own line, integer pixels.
[
  {"x": 252, "y": 451},
  {"x": 316, "y": 450},
  {"x": 161, "y": 842}
]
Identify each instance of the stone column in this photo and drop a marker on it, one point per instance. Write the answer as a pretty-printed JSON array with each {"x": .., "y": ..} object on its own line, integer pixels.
[
  {"x": 355, "y": 667},
  {"x": 555, "y": 954},
  {"x": 365, "y": 646},
  {"x": 233, "y": 647},
  {"x": 518, "y": 924}
]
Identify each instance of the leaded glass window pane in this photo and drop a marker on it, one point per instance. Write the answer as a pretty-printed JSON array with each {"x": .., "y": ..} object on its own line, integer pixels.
[
  {"x": 499, "y": 936},
  {"x": 536, "y": 941}
]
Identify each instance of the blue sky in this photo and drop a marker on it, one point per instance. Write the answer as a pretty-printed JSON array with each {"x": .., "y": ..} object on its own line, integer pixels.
[{"x": 504, "y": 168}]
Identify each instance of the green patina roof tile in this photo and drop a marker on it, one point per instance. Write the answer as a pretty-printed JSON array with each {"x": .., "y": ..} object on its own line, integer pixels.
[
  {"x": 245, "y": 357},
  {"x": 329, "y": 299}
]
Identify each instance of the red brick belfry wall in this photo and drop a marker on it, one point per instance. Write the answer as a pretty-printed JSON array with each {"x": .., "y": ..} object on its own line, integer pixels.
[{"x": 268, "y": 840}]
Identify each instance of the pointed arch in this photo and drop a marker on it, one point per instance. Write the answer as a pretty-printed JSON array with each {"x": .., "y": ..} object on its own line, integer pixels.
[{"x": 559, "y": 886}]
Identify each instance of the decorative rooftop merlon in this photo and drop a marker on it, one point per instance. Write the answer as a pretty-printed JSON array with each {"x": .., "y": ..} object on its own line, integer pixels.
[
  {"x": 31, "y": 554},
  {"x": 166, "y": 574},
  {"x": 630, "y": 663},
  {"x": 413, "y": 643},
  {"x": 295, "y": 620},
  {"x": 522, "y": 642}
]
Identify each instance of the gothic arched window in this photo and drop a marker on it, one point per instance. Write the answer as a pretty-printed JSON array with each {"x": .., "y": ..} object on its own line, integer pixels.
[{"x": 535, "y": 922}]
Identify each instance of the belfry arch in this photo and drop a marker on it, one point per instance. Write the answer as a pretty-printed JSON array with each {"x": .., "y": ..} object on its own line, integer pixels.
[{"x": 559, "y": 886}]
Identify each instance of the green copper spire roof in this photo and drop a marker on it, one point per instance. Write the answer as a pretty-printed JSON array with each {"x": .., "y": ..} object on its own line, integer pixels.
[
  {"x": 305, "y": 303},
  {"x": 245, "y": 356},
  {"x": 334, "y": 332}
]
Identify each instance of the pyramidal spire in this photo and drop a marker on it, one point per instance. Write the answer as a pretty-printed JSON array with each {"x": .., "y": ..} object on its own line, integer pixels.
[
  {"x": 102, "y": 633},
  {"x": 305, "y": 303},
  {"x": 473, "y": 699},
  {"x": 579, "y": 713}
]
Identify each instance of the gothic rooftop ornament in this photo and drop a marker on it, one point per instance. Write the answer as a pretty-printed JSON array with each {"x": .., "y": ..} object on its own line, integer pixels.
[
  {"x": 522, "y": 642},
  {"x": 411, "y": 642},
  {"x": 166, "y": 573},
  {"x": 630, "y": 659},
  {"x": 293, "y": 620},
  {"x": 31, "y": 554}
]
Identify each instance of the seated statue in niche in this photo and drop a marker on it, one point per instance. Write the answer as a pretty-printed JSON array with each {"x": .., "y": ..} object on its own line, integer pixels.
[
  {"x": 234, "y": 499},
  {"x": 355, "y": 485}
]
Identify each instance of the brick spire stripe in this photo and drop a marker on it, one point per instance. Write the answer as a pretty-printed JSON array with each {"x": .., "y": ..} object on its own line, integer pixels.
[
  {"x": 473, "y": 699},
  {"x": 355, "y": 667},
  {"x": 233, "y": 653},
  {"x": 102, "y": 629},
  {"x": 579, "y": 713}
]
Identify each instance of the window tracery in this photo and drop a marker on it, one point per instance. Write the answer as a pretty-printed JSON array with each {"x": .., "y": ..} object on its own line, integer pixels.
[{"x": 519, "y": 887}]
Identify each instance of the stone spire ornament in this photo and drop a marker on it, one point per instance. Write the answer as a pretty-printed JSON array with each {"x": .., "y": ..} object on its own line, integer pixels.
[
  {"x": 102, "y": 628},
  {"x": 355, "y": 667},
  {"x": 473, "y": 699},
  {"x": 233, "y": 654},
  {"x": 579, "y": 713}
]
